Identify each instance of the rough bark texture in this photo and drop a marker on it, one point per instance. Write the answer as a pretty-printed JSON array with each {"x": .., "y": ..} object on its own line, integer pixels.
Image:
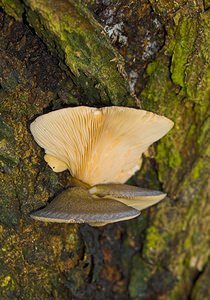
[{"x": 64, "y": 59}]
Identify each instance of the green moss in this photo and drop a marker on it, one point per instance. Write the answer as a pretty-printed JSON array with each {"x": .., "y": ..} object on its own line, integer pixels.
[
  {"x": 185, "y": 38},
  {"x": 13, "y": 8},
  {"x": 198, "y": 70},
  {"x": 166, "y": 91},
  {"x": 197, "y": 170},
  {"x": 181, "y": 92},
  {"x": 206, "y": 4},
  {"x": 201, "y": 290},
  {"x": 175, "y": 159},
  {"x": 139, "y": 278},
  {"x": 190, "y": 56},
  {"x": 6, "y": 282},
  {"x": 204, "y": 134},
  {"x": 192, "y": 130},
  {"x": 155, "y": 242},
  {"x": 167, "y": 156},
  {"x": 151, "y": 67},
  {"x": 152, "y": 238},
  {"x": 76, "y": 38},
  {"x": 77, "y": 57}
]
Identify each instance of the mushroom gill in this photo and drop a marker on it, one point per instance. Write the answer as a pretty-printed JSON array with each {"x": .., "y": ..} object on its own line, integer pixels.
[{"x": 98, "y": 145}]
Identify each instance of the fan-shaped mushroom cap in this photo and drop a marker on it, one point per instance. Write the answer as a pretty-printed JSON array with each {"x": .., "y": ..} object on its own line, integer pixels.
[
  {"x": 76, "y": 205},
  {"x": 98, "y": 145},
  {"x": 133, "y": 196}
]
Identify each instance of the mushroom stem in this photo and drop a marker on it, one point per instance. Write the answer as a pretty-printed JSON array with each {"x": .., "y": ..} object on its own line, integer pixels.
[{"x": 74, "y": 182}]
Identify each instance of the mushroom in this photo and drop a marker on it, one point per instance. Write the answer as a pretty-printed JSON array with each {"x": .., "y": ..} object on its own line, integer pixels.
[
  {"x": 76, "y": 205},
  {"x": 133, "y": 196},
  {"x": 101, "y": 147}
]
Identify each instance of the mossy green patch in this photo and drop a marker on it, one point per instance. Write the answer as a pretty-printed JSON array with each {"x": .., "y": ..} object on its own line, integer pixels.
[
  {"x": 159, "y": 76},
  {"x": 155, "y": 242},
  {"x": 76, "y": 38},
  {"x": 13, "y": 8},
  {"x": 140, "y": 273},
  {"x": 78, "y": 54},
  {"x": 5, "y": 281},
  {"x": 180, "y": 91},
  {"x": 175, "y": 159},
  {"x": 206, "y": 4},
  {"x": 151, "y": 67},
  {"x": 201, "y": 289},
  {"x": 152, "y": 238},
  {"x": 197, "y": 170},
  {"x": 204, "y": 134},
  {"x": 185, "y": 38},
  {"x": 198, "y": 70}
]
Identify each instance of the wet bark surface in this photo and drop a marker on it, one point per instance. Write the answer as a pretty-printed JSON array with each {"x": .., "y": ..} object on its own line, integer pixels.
[{"x": 162, "y": 254}]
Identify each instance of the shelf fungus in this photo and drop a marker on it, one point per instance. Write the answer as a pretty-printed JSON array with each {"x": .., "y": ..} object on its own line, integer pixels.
[{"x": 101, "y": 148}]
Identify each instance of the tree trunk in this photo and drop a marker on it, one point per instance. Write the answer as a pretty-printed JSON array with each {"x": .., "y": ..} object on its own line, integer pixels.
[{"x": 55, "y": 54}]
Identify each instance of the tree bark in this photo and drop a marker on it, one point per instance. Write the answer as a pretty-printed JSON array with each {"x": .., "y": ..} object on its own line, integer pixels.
[{"x": 55, "y": 54}]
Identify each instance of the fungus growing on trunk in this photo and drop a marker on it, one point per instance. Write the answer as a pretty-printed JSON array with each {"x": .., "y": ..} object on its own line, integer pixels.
[{"x": 101, "y": 147}]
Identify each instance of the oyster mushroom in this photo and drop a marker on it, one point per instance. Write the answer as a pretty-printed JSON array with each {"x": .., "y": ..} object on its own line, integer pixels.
[{"x": 101, "y": 147}]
